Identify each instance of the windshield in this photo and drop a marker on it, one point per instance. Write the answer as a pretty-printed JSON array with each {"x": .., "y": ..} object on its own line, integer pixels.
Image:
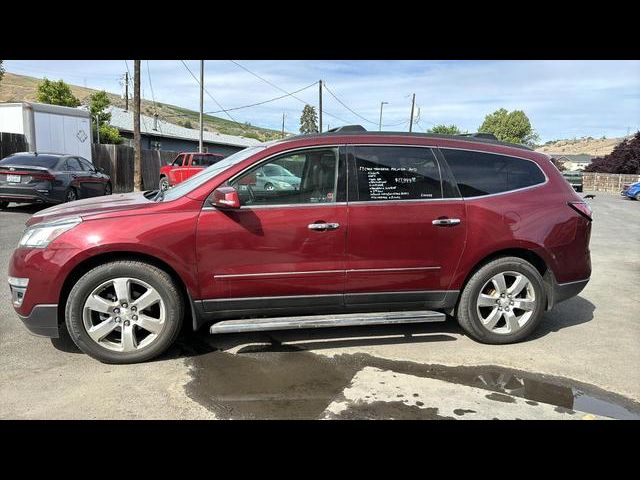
[{"x": 209, "y": 172}]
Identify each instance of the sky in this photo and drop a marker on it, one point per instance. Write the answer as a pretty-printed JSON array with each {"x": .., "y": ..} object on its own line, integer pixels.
[{"x": 563, "y": 99}]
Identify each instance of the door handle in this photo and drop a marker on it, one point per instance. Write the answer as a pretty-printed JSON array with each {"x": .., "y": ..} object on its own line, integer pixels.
[
  {"x": 323, "y": 226},
  {"x": 445, "y": 222}
]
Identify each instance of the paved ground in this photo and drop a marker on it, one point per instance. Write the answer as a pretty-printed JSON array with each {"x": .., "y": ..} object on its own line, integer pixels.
[{"x": 582, "y": 363}]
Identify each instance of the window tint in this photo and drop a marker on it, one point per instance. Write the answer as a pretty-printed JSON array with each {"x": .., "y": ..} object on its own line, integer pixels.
[
  {"x": 480, "y": 173},
  {"x": 204, "y": 160},
  {"x": 178, "y": 161},
  {"x": 73, "y": 165},
  {"x": 397, "y": 173},
  {"x": 308, "y": 176}
]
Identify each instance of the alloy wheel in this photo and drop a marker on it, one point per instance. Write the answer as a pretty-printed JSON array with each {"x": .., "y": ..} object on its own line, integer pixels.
[
  {"x": 506, "y": 302},
  {"x": 124, "y": 314}
]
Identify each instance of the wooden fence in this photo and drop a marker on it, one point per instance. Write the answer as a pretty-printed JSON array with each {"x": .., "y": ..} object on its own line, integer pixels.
[
  {"x": 117, "y": 162},
  {"x": 606, "y": 182},
  {"x": 11, "y": 143}
]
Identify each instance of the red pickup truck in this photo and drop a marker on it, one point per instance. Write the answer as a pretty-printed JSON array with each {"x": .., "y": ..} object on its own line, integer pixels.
[{"x": 186, "y": 165}]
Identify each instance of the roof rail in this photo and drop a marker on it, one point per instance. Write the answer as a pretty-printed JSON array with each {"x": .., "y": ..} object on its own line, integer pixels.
[
  {"x": 488, "y": 136},
  {"x": 347, "y": 129}
]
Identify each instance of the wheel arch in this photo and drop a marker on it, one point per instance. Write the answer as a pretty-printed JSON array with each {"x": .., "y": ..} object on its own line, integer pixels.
[
  {"x": 530, "y": 256},
  {"x": 84, "y": 266}
]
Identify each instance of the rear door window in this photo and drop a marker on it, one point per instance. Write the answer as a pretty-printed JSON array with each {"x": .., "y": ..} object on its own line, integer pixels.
[
  {"x": 73, "y": 165},
  {"x": 478, "y": 173},
  {"x": 396, "y": 173}
]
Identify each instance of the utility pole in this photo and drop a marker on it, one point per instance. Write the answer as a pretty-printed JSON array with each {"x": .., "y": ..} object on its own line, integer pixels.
[
  {"x": 380, "y": 124},
  {"x": 413, "y": 105},
  {"x": 201, "y": 103},
  {"x": 126, "y": 91},
  {"x": 320, "y": 102},
  {"x": 283, "y": 124},
  {"x": 137, "y": 144}
]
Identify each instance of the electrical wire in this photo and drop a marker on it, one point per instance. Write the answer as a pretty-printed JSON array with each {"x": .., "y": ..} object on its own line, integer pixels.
[
  {"x": 250, "y": 105},
  {"x": 324, "y": 112},
  {"x": 324, "y": 84},
  {"x": 207, "y": 92}
]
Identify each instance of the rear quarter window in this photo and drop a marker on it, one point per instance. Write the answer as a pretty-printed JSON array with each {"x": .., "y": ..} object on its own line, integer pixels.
[{"x": 478, "y": 173}]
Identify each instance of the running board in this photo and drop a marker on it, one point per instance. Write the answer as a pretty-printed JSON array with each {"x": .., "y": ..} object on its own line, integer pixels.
[{"x": 322, "y": 321}]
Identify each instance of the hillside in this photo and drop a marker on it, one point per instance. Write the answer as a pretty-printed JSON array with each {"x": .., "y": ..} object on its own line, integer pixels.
[
  {"x": 596, "y": 147},
  {"x": 17, "y": 88}
]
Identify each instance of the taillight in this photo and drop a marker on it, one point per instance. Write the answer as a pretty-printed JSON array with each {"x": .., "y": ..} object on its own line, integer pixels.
[
  {"x": 43, "y": 176},
  {"x": 583, "y": 209}
]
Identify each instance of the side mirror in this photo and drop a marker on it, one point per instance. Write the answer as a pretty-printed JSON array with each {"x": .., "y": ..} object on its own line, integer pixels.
[{"x": 225, "y": 197}]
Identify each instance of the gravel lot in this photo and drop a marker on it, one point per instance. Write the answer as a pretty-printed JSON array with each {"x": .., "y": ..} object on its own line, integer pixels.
[{"x": 582, "y": 363}]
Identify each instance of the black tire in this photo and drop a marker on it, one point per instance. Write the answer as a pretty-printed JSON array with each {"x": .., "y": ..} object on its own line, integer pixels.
[
  {"x": 637, "y": 197},
  {"x": 3, "y": 205},
  {"x": 269, "y": 187},
  {"x": 108, "y": 190},
  {"x": 70, "y": 195},
  {"x": 466, "y": 311},
  {"x": 163, "y": 184},
  {"x": 160, "y": 280}
]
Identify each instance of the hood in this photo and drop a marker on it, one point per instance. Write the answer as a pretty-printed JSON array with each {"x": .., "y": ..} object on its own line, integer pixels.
[{"x": 92, "y": 206}]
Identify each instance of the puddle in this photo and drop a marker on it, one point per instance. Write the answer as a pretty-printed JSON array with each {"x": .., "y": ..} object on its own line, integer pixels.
[{"x": 286, "y": 382}]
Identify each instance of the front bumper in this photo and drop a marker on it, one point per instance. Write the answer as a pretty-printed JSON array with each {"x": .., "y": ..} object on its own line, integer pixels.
[{"x": 42, "y": 321}]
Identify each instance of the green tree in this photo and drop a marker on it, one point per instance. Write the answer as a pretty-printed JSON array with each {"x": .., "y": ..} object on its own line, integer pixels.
[
  {"x": 100, "y": 117},
  {"x": 98, "y": 104},
  {"x": 1, "y": 70},
  {"x": 445, "y": 129},
  {"x": 187, "y": 124},
  {"x": 512, "y": 127},
  {"x": 309, "y": 120},
  {"x": 109, "y": 134},
  {"x": 56, "y": 93}
]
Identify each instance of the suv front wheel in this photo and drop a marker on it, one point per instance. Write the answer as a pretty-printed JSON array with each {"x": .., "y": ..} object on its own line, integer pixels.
[
  {"x": 503, "y": 302},
  {"x": 124, "y": 312}
]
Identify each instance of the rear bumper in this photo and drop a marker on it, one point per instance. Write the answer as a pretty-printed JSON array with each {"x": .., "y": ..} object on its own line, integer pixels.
[
  {"x": 27, "y": 196},
  {"x": 42, "y": 321},
  {"x": 564, "y": 291}
]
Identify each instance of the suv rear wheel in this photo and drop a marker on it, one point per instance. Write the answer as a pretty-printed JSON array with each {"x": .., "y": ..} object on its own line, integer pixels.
[
  {"x": 124, "y": 312},
  {"x": 503, "y": 302}
]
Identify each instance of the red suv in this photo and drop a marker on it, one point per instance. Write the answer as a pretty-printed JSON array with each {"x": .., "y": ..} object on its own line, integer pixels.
[
  {"x": 412, "y": 225},
  {"x": 185, "y": 166}
]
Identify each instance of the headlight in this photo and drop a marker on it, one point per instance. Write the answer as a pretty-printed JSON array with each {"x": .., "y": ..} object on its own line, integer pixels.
[{"x": 40, "y": 235}]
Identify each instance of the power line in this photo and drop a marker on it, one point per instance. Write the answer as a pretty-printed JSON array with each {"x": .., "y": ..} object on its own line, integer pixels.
[
  {"x": 283, "y": 90},
  {"x": 153, "y": 97},
  {"x": 345, "y": 106},
  {"x": 250, "y": 105},
  {"x": 207, "y": 92}
]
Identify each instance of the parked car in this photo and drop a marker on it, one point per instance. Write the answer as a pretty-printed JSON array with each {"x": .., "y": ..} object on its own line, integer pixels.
[
  {"x": 631, "y": 191},
  {"x": 49, "y": 178},
  {"x": 185, "y": 166},
  {"x": 412, "y": 225},
  {"x": 574, "y": 179}
]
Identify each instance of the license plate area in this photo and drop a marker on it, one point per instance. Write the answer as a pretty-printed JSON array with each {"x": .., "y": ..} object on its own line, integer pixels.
[{"x": 14, "y": 178}]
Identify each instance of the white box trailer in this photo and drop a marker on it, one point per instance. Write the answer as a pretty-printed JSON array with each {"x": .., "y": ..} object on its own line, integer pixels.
[{"x": 49, "y": 128}]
